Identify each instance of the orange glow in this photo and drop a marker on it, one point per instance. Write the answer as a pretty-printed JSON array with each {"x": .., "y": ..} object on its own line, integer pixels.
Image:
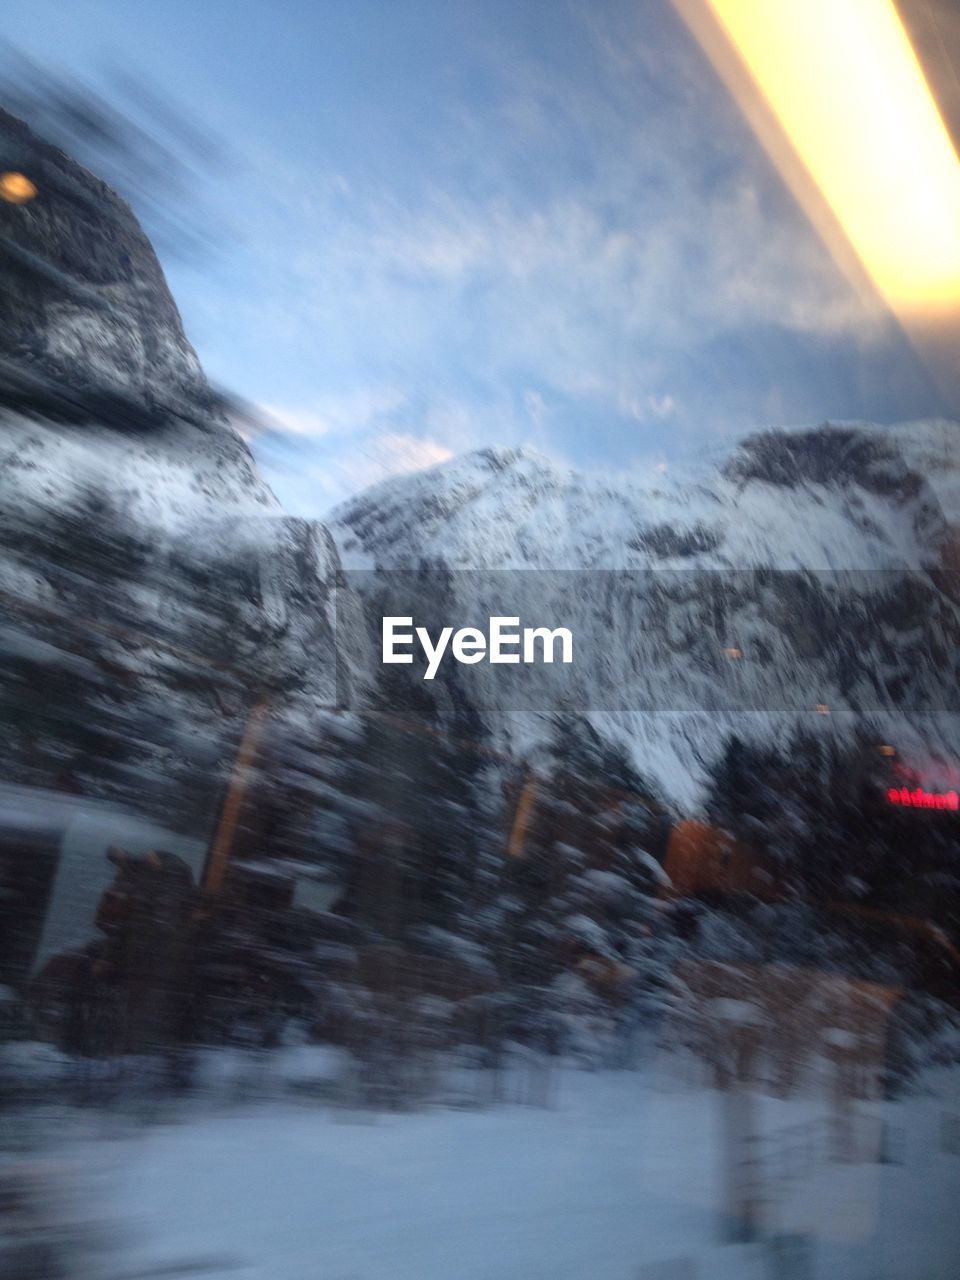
[
  {"x": 222, "y": 845},
  {"x": 703, "y": 859},
  {"x": 518, "y": 832},
  {"x": 16, "y": 188},
  {"x": 844, "y": 83}
]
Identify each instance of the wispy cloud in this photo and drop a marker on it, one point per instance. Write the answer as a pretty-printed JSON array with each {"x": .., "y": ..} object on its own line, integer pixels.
[
  {"x": 399, "y": 453},
  {"x": 353, "y": 411},
  {"x": 310, "y": 481}
]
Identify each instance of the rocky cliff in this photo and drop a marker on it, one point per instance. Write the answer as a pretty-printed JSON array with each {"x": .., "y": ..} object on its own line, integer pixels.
[{"x": 153, "y": 591}]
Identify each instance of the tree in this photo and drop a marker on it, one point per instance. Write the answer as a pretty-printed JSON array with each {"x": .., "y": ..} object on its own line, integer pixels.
[{"x": 579, "y": 897}]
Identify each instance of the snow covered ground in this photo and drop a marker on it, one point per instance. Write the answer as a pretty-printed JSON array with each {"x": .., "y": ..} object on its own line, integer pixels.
[{"x": 618, "y": 1179}]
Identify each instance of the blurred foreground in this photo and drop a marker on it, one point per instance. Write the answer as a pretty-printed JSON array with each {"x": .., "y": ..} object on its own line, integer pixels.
[{"x": 623, "y": 1175}]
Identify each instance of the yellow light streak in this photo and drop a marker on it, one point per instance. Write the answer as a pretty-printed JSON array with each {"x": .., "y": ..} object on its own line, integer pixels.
[{"x": 845, "y": 85}]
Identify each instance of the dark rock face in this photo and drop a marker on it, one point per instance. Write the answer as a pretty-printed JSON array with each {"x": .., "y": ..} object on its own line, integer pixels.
[
  {"x": 850, "y": 461},
  {"x": 668, "y": 542},
  {"x": 84, "y": 301},
  {"x": 823, "y": 456}
]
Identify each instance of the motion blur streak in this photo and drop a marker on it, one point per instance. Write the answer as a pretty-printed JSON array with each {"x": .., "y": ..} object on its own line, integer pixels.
[{"x": 843, "y": 81}]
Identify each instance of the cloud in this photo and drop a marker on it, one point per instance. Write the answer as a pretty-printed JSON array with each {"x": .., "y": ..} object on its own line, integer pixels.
[
  {"x": 599, "y": 292},
  {"x": 650, "y": 406},
  {"x": 311, "y": 475},
  {"x": 662, "y": 406},
  {"x": 622, "y": 222},
  {"x": 396, "y": 453},
  {"x": 536, "y": 407},
  {"x": 353, "y": 411}
]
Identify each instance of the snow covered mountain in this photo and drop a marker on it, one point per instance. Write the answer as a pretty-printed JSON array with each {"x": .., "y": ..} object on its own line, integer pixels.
[
  {"x": 881, "y": 497},
  {"x": 153, "y": 590},
  {"x": 682, "y": 630},
  {"x": 155, "y": 593}
]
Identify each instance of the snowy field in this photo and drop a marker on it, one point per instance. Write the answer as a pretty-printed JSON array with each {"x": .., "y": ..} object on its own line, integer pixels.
[{"x": 619, "y": 1178}]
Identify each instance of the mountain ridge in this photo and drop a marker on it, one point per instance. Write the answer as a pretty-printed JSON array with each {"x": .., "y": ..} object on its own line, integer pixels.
[{"x": 859, "y": 522}]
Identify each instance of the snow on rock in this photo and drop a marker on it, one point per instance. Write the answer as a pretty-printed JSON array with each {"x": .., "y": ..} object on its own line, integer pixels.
[{"x": 680, "y": 636}]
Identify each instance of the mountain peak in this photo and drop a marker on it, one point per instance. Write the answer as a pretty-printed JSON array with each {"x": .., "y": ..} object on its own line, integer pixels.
[
  {"x": 503, "y": 457},
  {"x": 88, "y": 314}
]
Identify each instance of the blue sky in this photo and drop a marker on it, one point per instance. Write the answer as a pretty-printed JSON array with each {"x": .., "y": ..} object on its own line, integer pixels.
[{"x": 450, "y": 223}]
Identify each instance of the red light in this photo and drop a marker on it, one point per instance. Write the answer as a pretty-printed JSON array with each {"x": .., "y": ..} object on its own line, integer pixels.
[{"x": 920, "y": 799}]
